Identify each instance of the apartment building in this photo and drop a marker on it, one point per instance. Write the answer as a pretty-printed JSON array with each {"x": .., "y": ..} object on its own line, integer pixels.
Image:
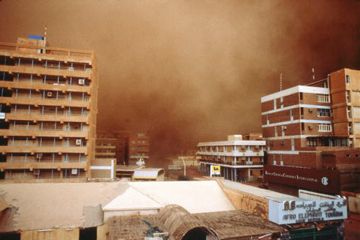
[
  {"x": 48, "y": 107},
  {"x": 239, "y": 159},
  {"x": 139, "y": 147},
  {"x": 345, "y": 96},
  {"x": 304, "y": 127}
]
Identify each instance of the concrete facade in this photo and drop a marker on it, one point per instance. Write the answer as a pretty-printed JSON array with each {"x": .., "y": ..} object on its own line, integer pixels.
[
  {"x": 239, "y": 160},
  {"x": 308, "y": 126},
  {"x": 48, "y": 107}
]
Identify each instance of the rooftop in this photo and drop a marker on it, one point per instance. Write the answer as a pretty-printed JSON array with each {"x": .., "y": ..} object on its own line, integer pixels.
[{"x": 36, "y": 206}]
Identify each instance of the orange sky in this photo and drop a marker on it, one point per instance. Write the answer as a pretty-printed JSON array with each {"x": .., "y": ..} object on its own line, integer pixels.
[{"x": 189, "y": 71}]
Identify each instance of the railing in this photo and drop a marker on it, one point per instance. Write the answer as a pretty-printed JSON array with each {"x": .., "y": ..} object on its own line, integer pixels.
[{"x": 49, "y": 50}]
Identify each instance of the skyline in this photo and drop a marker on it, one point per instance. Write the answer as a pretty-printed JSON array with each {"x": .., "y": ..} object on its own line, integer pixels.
[{"x": 188, "y": 71}]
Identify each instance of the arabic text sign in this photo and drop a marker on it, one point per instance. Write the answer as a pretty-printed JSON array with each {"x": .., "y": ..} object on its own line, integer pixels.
[{"x": 299, "y": 211}]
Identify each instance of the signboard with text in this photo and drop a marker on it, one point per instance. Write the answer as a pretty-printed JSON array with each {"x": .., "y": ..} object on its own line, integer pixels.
[
  {"x": 319, "y": 180},
  {"x": 215, "y": 170},
  {"x": 299, "y": 211}
]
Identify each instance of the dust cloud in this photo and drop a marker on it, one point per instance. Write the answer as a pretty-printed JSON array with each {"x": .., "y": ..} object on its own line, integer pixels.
[{"x": 188, "y": 71}]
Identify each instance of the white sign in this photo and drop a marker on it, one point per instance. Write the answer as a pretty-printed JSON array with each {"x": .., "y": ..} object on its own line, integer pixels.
[
  {"x": 2, "y": 115},
  {"x": 300, "y": 211},
  {"x": 215, "y": 170}
]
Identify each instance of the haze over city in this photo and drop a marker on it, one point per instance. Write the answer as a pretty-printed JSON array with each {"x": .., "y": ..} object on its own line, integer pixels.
[{"x": 188, "y": 71}]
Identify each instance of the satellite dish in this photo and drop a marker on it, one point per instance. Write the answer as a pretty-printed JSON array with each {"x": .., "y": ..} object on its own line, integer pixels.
[{"x": 140, "y": 162}]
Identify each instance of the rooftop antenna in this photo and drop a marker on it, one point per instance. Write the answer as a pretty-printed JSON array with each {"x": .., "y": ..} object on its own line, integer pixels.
[
  {"x": 45, "y": 38},
  {"x": 281, "y": 80}
]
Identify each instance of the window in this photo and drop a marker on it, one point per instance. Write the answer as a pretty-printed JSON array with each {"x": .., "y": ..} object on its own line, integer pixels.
[
  {"x": 349, "y": 112},
  {"x": 324, "y": 128},
  {"x": 302, "y": 126},
  {"x": 311, "y": 142},
  {"x": 348, "y": 96},
  {"x": 323, "y": 98},
  {"x": 350, "y": 130},
  {"x": 347, "y": 79},
  {"x": 301, "y": 96},
  {"x": 355, "y": 111},
  {"x": 323, "y": 112}
]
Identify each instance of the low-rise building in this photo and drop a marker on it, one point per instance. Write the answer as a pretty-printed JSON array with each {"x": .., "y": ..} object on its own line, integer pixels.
[
  {"x": 237, "y": 159},
  {"x": 106, "y": 159}
]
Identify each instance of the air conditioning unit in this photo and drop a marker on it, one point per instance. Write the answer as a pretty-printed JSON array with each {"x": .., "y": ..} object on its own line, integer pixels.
[
  {"x": 74, "y": 171},
  {"x": 36, "y": 172},
  {"x": 81, "y": 81},
  {"x": 38, "y": 155},
  {"x": 284, "y": 127},
  {"x": 49, "y": 94},
  {"x": 78, "y": 142}
]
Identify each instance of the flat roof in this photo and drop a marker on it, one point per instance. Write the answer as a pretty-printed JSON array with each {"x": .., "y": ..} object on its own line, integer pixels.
[
  {"x": 296, "y": 89},
  {"x": 260, "y": 192},
  {"x": 191, "y": 195},
  {"x": 37, "y": 206}
]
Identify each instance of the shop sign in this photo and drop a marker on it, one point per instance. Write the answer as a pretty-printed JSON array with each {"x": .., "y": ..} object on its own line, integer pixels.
[
  {"x": 215, "y": 170},
  {"x": 302, "y": 211}
]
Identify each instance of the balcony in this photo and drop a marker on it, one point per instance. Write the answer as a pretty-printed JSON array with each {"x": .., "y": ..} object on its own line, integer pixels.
[
  {"x": 17, "y": 116},
  {"x": 43, "y": 133},
  {"x": 235, "y": 153},
  {"x": 44, "y": 102},
  {"x": 44, "y": 86},
  {"x": 46, "y": 71},
  {"x": 42, "y": 149},
  {"x": 50, "y": 53},
  {"x": 42, "y": 165}
]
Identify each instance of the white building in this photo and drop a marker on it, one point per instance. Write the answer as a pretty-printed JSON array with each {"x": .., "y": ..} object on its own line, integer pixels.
[{"x": 236, "y": 159}]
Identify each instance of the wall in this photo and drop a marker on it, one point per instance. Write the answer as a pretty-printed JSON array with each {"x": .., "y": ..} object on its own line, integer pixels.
[
  {"x": 53, "y": 234},
  {"x": 248, "y": 203},
  {"x": 102, "y": 232}
]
